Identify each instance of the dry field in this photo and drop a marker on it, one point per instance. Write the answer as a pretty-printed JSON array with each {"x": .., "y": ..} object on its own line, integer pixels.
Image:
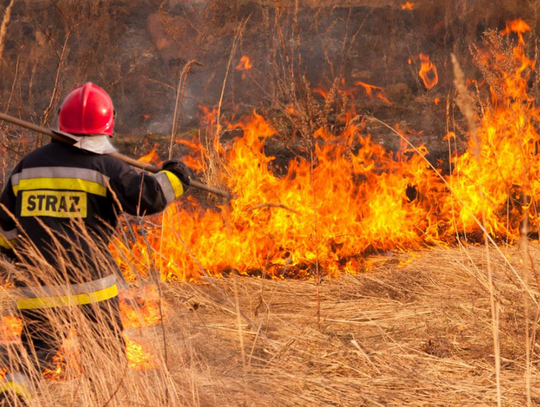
[{"x": 417, "y": 334}]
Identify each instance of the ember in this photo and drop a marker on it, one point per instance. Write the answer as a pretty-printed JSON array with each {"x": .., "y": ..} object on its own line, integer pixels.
[
  {"x": 244, "y": 64},
  {"x": 407, "y": 6}
]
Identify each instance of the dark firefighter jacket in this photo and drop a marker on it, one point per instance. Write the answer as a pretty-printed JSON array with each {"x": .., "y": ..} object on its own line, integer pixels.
[{"x": 57, "y": 191}]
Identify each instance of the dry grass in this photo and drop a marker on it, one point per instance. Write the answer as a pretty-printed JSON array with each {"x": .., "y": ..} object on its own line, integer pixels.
[
  {"x": 414, "y": 335},
  {"x": 418, "y": 335}
]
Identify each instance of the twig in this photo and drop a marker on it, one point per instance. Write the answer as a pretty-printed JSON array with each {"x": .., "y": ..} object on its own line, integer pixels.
[
  {"x": 48, "y": 109},
  {"x": 182, "y": 80},
  {"x": 118, "y": 386},
  {"x": 315, "y": 225},
  {"x": 236, "y": 40},
  {"x": 3, "y": 27}
]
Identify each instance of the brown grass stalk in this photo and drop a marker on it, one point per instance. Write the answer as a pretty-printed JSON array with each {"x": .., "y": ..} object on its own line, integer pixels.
[
  {"x": 465, "y": 103},
  {"x": 3, "y": 28}
]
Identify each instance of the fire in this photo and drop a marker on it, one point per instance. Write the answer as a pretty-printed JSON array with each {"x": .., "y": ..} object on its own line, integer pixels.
[
  {"x": 140, "y": 308},
  {"x": 244, "y": 64},
  {"x": 350, "y": 196},
  {"x": 67, "y": 361},
  {"x": 509, "y": 169},
  {"x": 428, "y": 72},
  {"x": 379, "y": 92},
  {"x": 10, "y": 329},
  {"x": 152, "y": 156},
  {"x": 269, "y": 228},
  {"x": 407, "y": 6},
  {"x": 519, "y": 27},
  {"x": 138, "y": 357}
]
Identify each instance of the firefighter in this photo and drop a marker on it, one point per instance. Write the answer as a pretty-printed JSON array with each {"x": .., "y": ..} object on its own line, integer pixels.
[{"x": 58, "y": 210}]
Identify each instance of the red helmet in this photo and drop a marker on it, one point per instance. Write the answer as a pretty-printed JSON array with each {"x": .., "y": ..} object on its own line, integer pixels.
[{"x": 87, "y": 109}]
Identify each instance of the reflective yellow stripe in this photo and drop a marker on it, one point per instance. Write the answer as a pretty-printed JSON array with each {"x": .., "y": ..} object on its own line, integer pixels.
[
  {"x": 72, "y": 184},
  {"x": 68, "y": 300},
  {"x": 176, "y": 184},
  {"x": 7, "y": 244},
  {"x": 16, "y": 388}
]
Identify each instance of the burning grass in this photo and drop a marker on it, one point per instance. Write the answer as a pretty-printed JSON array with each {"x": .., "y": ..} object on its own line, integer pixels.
[{"x": 348, "y": 196}]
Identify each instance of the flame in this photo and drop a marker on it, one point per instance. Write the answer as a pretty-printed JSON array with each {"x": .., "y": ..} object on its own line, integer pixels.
[
  {"x": 10, "y": 329},
  {"x": 151, "y": 157},
  {"x": 67, "y": 360},
  {"x": 436, "y": 101},
  {"x": 379, "y": 92},
  {"x": 244, "y": 64},
  {"x": 138, "y": 357},
  {"x": 519, "y": 27},
  {"x": 321, "y": 92},
  {"x": 428, "y": 72},
  {"x": 407, "y": 6},
  {"x": 508, "y": 170},
  {"x": 140, "y": 308},
  {"x": 349, "y": 196}
]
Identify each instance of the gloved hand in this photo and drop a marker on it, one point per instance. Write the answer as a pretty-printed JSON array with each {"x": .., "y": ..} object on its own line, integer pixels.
[{"x": 179, "y": 169}]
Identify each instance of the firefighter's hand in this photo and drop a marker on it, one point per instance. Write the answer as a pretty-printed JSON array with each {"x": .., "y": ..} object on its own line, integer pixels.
[{"x": 179, "y": 169}]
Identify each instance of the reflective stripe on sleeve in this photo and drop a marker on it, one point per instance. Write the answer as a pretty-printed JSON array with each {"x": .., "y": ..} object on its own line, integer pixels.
[
  {"x": 8, "y": 239},
  {"x": 69, "y": 178},
  {"x": 18, "y": 384},
  {"x": 170, "y": 185},
  {"x": 62, "y": 296}
]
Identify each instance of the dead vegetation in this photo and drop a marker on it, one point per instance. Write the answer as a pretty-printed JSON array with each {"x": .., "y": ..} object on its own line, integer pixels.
[{"x": 413, "y": 335}]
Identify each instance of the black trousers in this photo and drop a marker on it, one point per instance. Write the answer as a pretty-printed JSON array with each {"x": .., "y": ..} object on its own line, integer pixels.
[{"x": 44, "y": 330}]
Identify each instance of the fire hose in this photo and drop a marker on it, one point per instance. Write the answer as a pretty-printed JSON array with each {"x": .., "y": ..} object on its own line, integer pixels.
[{"x": 72, "y": 139}]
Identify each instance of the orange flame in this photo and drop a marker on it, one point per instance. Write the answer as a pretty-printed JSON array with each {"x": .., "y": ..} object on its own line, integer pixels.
[
  {"x": 138, "y": 357},
  {"x": 151, "y": 156},
  {"x": 10, "y": 329},
  {"x": 67, "y": 361},
  {"x": 428, "y": 72},
  {"x": 244, "y": 64},
  {"x": 140, "y": 308},
  {"x": 354, "y": 197},
  {"x": 519, "y": 27},
  {"x": 407, "y": 6},
  {"x": 379, "y": 92}
]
